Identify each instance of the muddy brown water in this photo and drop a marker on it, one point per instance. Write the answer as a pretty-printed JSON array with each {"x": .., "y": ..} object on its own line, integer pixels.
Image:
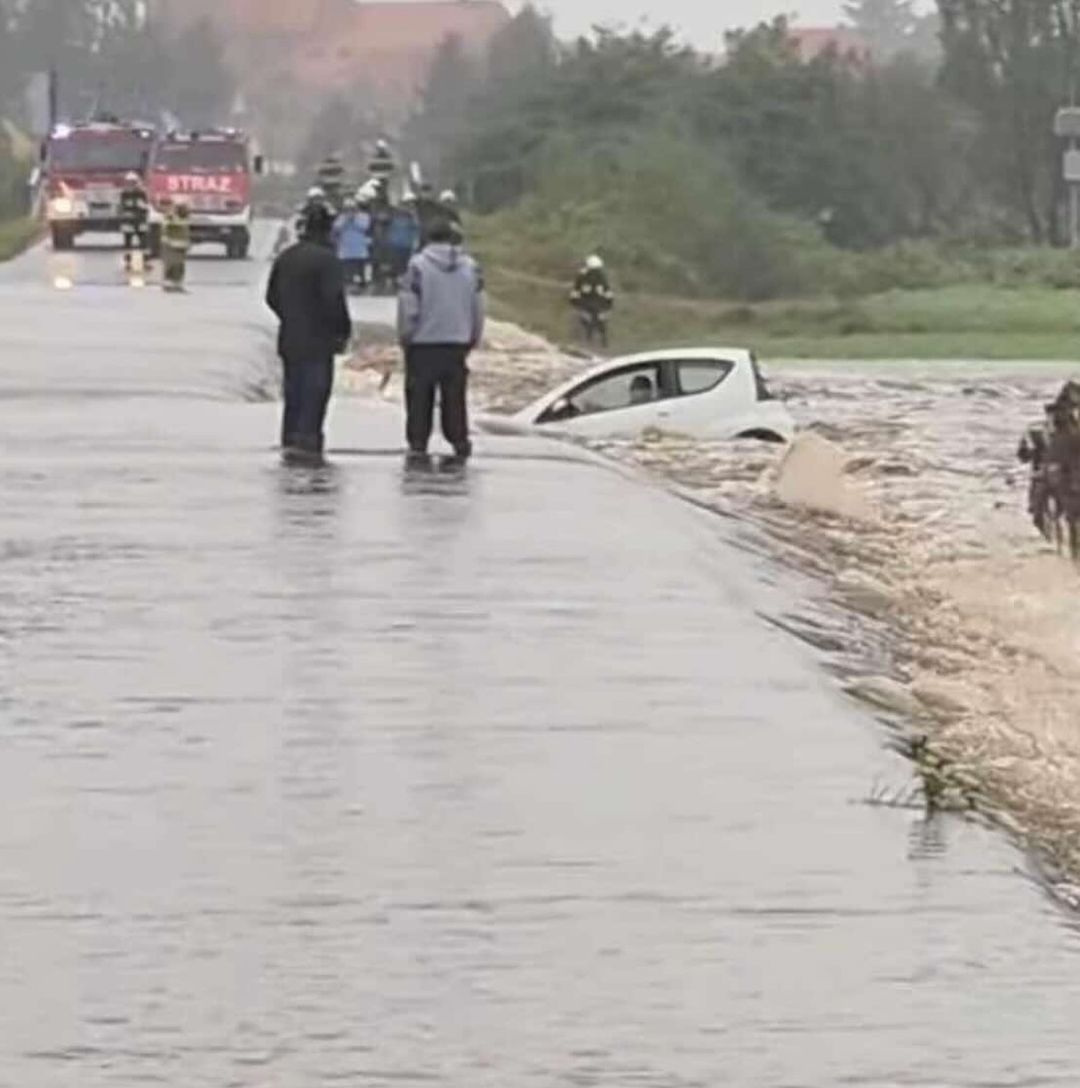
[{"x": 358, "y": 777}]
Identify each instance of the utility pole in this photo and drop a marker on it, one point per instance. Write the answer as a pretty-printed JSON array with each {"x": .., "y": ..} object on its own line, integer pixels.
[{"x": 1067, "y": 127}]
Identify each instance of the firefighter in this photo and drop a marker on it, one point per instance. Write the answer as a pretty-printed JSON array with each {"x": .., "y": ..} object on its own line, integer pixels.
[
  {"x": 428, "y": 211},
  {"x": 134, "y": 215},
  {"x": 175, "y": 243},
  {"x": 382, "y": 166},
  {"x": 382, "y": 274},
  {"x": 592, "y": 298},
  {"x": 450, "y": 212},
  {"x": 448, "y": 205},
  {"x": 307, "y": 294},
  {"x": 331, "y": 177}
]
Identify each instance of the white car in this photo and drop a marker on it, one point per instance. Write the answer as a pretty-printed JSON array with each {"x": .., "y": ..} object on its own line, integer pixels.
[{"x": 704, "y": 392}]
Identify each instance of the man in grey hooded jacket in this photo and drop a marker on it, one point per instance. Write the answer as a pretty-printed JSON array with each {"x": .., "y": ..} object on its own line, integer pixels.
[{"x": 440, "y": 321}]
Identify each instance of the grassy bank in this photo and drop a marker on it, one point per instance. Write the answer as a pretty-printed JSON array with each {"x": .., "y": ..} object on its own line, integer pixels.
[
  {"x": 963, "y": 322},
  {"x": 16, "y": 235}
]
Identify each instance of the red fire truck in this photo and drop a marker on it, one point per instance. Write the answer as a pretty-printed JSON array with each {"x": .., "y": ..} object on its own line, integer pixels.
[
  {"x": 83, "y": 171},
  {"x": 213, "y": 173}
]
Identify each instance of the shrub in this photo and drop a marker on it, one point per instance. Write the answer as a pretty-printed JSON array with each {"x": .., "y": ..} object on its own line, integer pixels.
[{"x": 669, "y": 216}]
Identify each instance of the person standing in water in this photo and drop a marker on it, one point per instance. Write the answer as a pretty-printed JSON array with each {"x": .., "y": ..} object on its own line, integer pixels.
[
  {"x": 307, "y": 294},
  {"x": 440, "y": 322}
]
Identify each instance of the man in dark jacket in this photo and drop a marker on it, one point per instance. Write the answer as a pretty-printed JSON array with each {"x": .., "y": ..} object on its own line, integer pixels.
[
  {"x": 307, "y": 293},
  {"x": 440, "y": 321}
]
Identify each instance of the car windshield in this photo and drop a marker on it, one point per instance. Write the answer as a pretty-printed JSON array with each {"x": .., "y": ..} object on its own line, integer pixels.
[
  {"x": 200, "y": 158},
  {"x": 112, "y": 153}
]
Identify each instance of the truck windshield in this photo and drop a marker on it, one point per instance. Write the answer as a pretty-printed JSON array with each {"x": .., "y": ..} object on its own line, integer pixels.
[
  {"x": 104, "y": 153},
  {"x": 200, "y": 158}
]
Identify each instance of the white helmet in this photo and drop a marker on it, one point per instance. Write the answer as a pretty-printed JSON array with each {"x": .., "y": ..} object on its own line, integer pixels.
[
  {"x": 448, "y": 196},
  {"x": 594, "y": 263},
  {"x": 316, "y": 192},
  {"x": 408, "y": 197},
  {"x": 381, "y": 145},
  {"x": 131, "y": 178}
]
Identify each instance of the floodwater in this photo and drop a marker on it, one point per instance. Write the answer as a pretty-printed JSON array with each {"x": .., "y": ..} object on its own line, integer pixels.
[{"x": 346, "y": 776}]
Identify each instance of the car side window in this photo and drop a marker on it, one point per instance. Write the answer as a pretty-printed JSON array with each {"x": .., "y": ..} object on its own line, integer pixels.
[
  {"x": 702, "y": 375},
  {"x": 628, "y": 387}
]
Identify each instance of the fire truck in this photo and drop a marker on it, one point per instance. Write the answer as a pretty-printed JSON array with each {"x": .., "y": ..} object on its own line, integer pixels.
[
  {"x": 82, "y": 176},
  {"x": 213, "y": 173}
]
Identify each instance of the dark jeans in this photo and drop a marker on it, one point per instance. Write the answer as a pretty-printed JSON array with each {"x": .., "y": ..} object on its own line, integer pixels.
[
  {"x": 354, "y": 269},
  {"x": 442, "y": 367},
  {"x": 308, "y": 384},
  {"x": 134, "y": 235}
]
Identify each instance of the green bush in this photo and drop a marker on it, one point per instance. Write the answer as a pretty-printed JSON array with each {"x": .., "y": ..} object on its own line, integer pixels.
[
  {"x": 670, "y": 217},
  {"x": 12, "y": 180}
]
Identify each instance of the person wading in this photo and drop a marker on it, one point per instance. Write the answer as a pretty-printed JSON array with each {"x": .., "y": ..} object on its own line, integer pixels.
[
  {"x": 440, "y": 321},
  {"x": 307, "y": 293}
]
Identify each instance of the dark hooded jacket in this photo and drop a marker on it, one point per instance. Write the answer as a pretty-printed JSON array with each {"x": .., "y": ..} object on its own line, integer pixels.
[
  {"x": 441, "y": 300},
  {"x": 307, "y": 292}
]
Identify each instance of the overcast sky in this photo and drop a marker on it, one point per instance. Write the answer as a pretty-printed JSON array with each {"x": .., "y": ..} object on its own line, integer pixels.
[{"x": 703, "y": 21}]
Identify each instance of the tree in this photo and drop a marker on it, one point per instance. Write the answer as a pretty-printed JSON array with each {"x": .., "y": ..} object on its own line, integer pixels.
[
  {"x": 875, "y": 153},
  {"x": 1015, "y": 62},
  {"x": 332, "y": 130},
  {"x": 200, "y": 83},
  {"x": 444, "y": 108},
  {"x": 12, "y": 72},
  {"x": 522, "y": 51},
  {"x": 889, "y": 26}
]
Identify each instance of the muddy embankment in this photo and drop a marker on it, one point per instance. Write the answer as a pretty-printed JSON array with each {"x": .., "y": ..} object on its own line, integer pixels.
[{"x": 904, "y": 500}]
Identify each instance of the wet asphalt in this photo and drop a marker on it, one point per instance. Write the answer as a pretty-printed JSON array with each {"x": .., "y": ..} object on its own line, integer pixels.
[{"x": 355, "y": 775}]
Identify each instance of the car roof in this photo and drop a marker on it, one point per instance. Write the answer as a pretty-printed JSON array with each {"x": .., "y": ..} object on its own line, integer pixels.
[{"x": 731, "y": 355}]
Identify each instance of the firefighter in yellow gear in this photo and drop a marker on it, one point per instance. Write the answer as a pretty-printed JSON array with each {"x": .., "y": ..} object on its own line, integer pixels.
[{"x": 175, "y": 243}]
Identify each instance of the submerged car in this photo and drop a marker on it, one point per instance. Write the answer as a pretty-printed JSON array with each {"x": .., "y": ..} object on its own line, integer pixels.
[{"x": 704, "y": 392}]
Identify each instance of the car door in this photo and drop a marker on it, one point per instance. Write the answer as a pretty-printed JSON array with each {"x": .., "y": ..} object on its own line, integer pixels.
[
  {"x": 707, "y": 394},
  {"x": 622, "y": 401}
]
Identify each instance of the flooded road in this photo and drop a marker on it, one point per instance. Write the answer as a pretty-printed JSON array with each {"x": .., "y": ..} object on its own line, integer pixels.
[{"x": 345, "y": 776}]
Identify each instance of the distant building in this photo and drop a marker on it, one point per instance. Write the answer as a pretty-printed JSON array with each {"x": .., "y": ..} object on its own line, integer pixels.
[
  {"x": 847, "y": 43},
  {"x": 322, "y": 46}
]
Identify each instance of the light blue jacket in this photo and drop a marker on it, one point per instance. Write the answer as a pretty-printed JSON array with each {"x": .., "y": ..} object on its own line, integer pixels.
[{"x": 352, "y": 236}]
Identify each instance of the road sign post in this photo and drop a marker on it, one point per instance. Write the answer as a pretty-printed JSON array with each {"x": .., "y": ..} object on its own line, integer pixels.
[{"x": 1067, "y": 127}]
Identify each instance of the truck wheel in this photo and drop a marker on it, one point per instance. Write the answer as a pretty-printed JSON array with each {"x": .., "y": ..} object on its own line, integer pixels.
[{"x": 63, "y": 238}]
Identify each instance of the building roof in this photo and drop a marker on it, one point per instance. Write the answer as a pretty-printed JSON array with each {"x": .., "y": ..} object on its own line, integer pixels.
[
  {"x": 328, "y": 45},
  {"x": 376, "y": 41},
  {"x": 813, "y": 41}
]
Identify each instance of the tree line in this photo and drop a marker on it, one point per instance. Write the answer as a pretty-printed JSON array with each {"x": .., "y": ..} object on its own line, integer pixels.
[
  {"x": 111, "y": 57},
  {"x": 944, "y": 132}
]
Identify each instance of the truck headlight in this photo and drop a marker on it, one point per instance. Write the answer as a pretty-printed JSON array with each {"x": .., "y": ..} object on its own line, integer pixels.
[{"x": 62, "y": 205}]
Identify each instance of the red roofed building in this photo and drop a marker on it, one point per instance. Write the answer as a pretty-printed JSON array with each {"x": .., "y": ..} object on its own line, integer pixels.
[
  {"x": 323, "y": 46},
  {"x": 845, "y": 42}
]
